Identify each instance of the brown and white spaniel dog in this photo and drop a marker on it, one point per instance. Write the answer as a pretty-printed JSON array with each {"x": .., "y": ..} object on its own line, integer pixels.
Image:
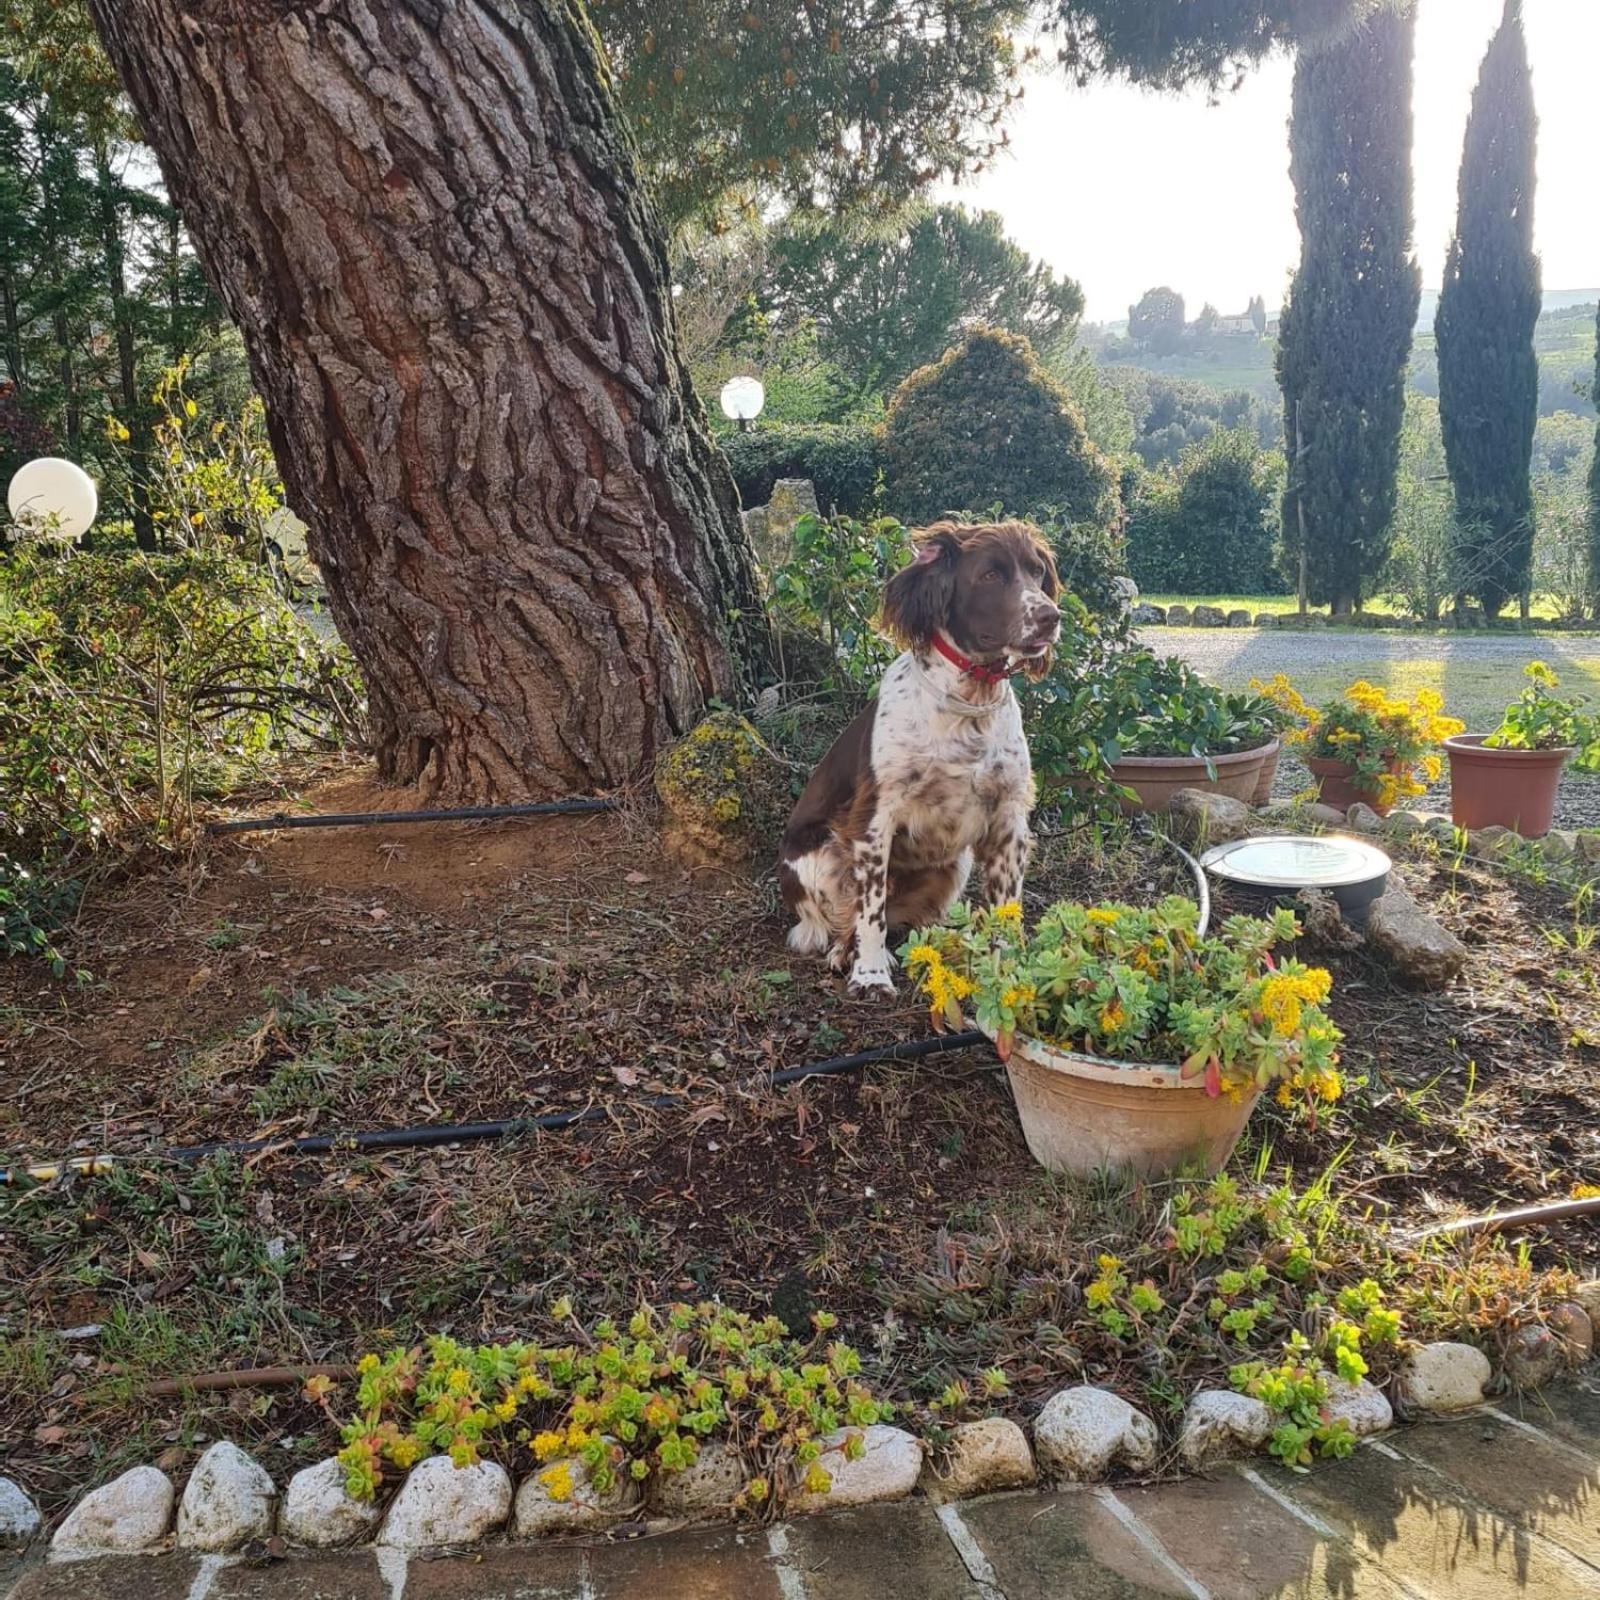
[{"x": 934, "y": 775}]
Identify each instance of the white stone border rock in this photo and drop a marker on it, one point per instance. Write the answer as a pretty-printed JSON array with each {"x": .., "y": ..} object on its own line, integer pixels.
[{"x": 19, "y": 1516}]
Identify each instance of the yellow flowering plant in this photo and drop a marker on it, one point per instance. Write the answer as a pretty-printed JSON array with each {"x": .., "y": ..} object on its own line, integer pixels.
[
  {"x": 635, "y": 1401},
  {"x": 1390, "y": 743},
  {"x": 1126, "y": 983}
]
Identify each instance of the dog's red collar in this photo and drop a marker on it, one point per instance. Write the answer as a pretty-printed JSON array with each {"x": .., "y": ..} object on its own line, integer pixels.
[{"x": 968, "y": 668}]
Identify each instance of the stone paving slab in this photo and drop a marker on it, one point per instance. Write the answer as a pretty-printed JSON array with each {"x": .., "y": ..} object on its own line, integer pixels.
[
  {"x": 1571, "y": 1412},
  {"x": 1240, "y": 1544},
  {"x": 878, "y": 1551},
  {"x": 1428, "y": 1535},
  {"x": 1547, "y": 1487},
  {"x": 701, "y": 1566},
  {"x": 167, "y": 1577},
  {"x": 352, "y": 1576},
  {"x": 1044, "y": 1546},
  {"x": 501, "y": 1572}
]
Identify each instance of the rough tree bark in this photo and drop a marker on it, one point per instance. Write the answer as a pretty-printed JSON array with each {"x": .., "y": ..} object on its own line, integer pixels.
[{"x": 426, "y": 218}]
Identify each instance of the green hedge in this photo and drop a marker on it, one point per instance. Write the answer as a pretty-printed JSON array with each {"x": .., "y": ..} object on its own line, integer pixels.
[{"x": 841, "y": 459}]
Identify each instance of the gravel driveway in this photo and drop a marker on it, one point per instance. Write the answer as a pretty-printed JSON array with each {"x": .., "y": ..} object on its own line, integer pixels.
[{"x": 1477, "y": 673}]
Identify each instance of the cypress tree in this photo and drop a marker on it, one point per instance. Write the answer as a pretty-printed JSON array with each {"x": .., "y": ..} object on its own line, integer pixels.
[
  {"x": 1594, "y": 480},
  {"x": 1488, "y": 374},
  {"x": 1345, "y": 336}
]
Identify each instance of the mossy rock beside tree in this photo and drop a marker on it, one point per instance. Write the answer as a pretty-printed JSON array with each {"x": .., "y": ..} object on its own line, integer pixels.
[
  {"x": 725, "y": 791},
  {"x": 986, "y": 424}
]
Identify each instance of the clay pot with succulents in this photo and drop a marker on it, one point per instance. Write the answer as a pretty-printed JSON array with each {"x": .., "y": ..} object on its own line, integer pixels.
[{"x": 1138, "y": 1063}]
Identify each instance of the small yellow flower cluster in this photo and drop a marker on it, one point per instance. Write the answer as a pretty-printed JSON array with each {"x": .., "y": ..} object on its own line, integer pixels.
[
  {"x": 1288, "y": 699},
  {"x": 1103, "y": 916},
  {"x": 1323, "y": 1086},
  {"x": 1420, "y": 714},
  {"x": 943, "y": 986},
  {"x": 1113, "y": 1018},
  {"x": 1100, "y": 1293},
  {"x": 558, "y": 1481},
  {"x": 1285, "y": 993}
]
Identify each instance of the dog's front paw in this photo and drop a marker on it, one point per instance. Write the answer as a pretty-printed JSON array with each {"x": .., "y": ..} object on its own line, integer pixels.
[{"x": 872, "y": 979}]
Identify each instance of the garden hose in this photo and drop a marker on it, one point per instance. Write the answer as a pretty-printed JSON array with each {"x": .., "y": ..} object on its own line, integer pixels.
[{"x": 426, "y": 1135}]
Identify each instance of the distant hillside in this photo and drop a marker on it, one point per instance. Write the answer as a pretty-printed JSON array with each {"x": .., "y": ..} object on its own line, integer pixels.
[
  {"x": 1563, "y": 339},
  {"x": 1554, "y": 300}
]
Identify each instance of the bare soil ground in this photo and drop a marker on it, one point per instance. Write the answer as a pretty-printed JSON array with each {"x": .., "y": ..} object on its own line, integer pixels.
[{"x": 329, "y": 981}]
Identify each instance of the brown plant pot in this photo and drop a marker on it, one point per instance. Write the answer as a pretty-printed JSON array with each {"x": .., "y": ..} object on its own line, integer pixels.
[
  {"x": 1155, "y": 779},
  {"x": 1267, "y": 774},
  {"x": 1513, "y": 789},
  {"x": 1083, "y": 1115},
  {"x": 1336, "y": 784}
]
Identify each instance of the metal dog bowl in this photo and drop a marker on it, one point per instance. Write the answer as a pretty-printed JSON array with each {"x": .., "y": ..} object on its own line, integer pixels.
[{"x": 1277, "y": 866}]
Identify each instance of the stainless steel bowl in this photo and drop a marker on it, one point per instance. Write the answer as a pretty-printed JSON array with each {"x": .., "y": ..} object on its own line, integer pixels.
[{"x": 1277, "y": 866}]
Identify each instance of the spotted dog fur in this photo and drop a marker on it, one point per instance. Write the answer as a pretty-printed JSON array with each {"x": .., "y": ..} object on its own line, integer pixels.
[{"x": 933, "y": 777}]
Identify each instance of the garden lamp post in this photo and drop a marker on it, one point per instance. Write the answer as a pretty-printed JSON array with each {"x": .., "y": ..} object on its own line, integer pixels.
[
  {"x": 742, "y": 400},
  {"x": 53, "y": 499}
]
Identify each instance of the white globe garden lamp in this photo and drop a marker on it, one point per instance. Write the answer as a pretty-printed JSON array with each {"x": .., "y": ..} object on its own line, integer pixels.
[
  {"x": 742, "y": 400},
  {"x": 54, "y": 498}
]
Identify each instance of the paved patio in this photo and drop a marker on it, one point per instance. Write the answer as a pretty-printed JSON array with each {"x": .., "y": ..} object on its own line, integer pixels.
[{"x": 1497, "y": 1504}]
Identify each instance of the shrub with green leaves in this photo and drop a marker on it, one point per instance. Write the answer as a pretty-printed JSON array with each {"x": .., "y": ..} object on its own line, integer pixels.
[
  {"x": 832, "y": 587},
  {"x": 131, "y": 685},
  {"x": 987, "y": 425},
  {"x": 34, "y": 905},
  {"x": 842, "y": 460},
  {"x": 637, "y": 1401},
  {"x": 1210, "y": 526}
]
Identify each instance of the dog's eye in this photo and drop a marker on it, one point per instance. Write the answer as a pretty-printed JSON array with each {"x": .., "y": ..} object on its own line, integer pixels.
[{"x": 993, "y": 575}]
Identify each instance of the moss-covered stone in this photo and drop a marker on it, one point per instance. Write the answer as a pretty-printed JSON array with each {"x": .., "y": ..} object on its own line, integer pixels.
[{"x": 724, "y": 790}]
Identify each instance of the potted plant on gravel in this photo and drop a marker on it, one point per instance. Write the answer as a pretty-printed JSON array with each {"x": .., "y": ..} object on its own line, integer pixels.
[
  {"x": 1509, "y": 778},
  {"x": 1370, "y": 747},
  {"x": 1132, "y": 1041},
  {"x": 1161, "y": 727}
]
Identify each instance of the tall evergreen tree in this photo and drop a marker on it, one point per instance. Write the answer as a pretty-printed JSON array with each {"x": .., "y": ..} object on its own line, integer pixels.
[
  {"x": 1594, "y": 480},
  {"x": 1488, "y": 374},
  {"x": 1345, "y": 335}
]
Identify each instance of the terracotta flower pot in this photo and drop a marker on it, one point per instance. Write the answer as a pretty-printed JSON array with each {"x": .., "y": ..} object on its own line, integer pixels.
[
  {"x": 1267, "y": 774},
  {"x": 1337, "y": 786},
  {"x": 1513, "y": 789},
  {"x": 1083, "y": 1115},
  {"x": 1155, "y": 779}
]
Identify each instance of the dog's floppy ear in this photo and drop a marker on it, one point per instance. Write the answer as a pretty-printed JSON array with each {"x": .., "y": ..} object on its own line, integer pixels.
[
  {"x": 1052, "y": 578},
  {"x": 1039, "y": 667},
  {"x": 917, "y": 600}
]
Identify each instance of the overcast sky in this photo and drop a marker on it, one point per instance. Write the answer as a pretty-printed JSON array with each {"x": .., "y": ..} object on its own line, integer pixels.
[{"x": 1123, "y": 189}]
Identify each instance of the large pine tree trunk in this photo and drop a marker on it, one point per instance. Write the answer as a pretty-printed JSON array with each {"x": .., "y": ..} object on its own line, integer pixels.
[{"x": 427, "y": 221}]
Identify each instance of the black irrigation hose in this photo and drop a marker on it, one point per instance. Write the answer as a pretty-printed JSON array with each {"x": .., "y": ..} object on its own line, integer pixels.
[
  {"x": 374, "y": 819},
  {"x": 427, "y": 1135}
]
